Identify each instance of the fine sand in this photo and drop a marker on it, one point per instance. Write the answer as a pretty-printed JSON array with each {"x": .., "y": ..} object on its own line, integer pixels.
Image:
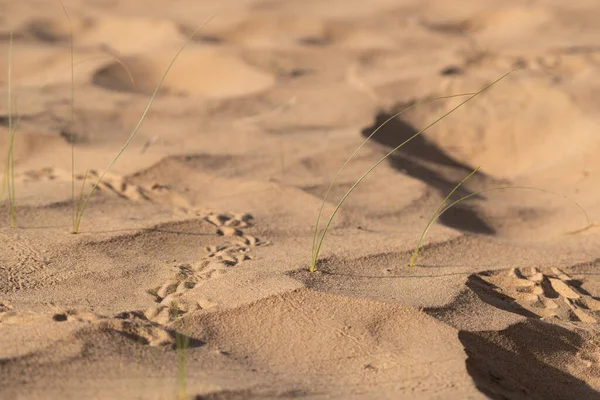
[{"x": 202, "y": 230}]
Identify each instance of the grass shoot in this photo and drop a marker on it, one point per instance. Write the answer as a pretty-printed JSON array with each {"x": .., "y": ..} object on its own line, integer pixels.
[
  {"x": 337, "y": 175},
  {"x": 83, "y": 205},
  {"x": 8, "y": 184},
  {"x": 319, "y": 239},
  {"x": 442, "y": 208},
  {"x": 182, "y": 343},
  {"x": 74, "y": 206}
]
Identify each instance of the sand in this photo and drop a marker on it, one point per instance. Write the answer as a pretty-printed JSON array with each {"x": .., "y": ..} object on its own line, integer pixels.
[{"x": 202, "y": 230}]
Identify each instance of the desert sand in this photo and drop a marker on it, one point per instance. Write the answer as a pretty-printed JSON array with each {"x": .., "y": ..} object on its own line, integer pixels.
[{"x": 202, "y": 230}]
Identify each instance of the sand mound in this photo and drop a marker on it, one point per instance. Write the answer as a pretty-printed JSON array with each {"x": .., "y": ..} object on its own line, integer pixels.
[
  {"x": 344, "y": 335},
  {"x": 512, "y": 134},
  {"x": 204, "y": 72}
]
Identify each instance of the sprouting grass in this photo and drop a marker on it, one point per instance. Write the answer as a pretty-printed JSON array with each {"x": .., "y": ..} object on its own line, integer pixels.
[
  {"x": 182, "y": 343},
  {"x": 437, "y": 214},
  {"x": 8, "y": 184},
  {"x": 8, "y": 181},
  {"x": 443, "y": 208},
  {"x": 319, "y": 239},
  {"x": 81, "y": 207},
  {"x": 337, "y": 175},
  {"x": 74, "y": 206}
]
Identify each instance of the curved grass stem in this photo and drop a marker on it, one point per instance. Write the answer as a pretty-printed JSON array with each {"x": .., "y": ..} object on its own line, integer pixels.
[
  {"x": 9, "y": 172},
  {"x": 441, "y": 209},
  {"x": 83, "y": 207},
  {"x": 437, "y": 213},
  {"x": 321, "y": 238},
  {"x": 337, "y": 175},
  {"x": 74, "y": 205}
]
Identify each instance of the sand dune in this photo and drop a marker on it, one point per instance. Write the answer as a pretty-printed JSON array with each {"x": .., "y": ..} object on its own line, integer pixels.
[{"x": 201, "y": 232}]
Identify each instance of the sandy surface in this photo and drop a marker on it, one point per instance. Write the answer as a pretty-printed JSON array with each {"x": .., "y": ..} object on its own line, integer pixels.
[{"x": 203, "y": 227}]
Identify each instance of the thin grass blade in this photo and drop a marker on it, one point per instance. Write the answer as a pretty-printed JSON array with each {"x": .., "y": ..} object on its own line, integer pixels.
[
  {"x": 439, "y": 213},
  {"x": 74, "y": 206},
  {"x": 343, "y": 199},
  {"x": 337, "y": 175},
  {"x": 10, "y": 166},
  {"x": 137, "y": 127},
  {"x": 436, "y": 215}
]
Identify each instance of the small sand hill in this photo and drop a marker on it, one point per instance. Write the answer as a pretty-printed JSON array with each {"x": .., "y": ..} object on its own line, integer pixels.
[{"x": 189, "y": 276}]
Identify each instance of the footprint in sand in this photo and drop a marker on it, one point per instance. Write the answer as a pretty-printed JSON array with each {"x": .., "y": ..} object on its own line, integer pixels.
[
  {"x": 150, "y": 327},
  {"x": 131, "y": 324},
  {"x": 112, "y": 183},
  {"x": 219, "y": 260},
  {"x": 547, "y": 293}
]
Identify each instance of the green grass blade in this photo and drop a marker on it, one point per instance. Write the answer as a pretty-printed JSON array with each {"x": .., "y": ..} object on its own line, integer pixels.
[
  {"x": 6, "y": 175},
  {"x": 436, "y": 215},
  {"x": 10, "y": 166},
  {"x": 337, "y": 175},
  {"x": 13, "y": 202},
  {"x": 137, "y": 127},
  {"x": 74, "y": 207},
  {"x": 439, "y": 212},
  {"x": 8, "y": 172},
  {"x": 324, "y": 233},
  {"x": 79, "y": 202},
  {"x": 182, "y": 343}
]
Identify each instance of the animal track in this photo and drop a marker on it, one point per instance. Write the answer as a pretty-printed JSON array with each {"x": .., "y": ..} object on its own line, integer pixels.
[
  {"x": 112, "y": 183},
  {"x": 547, "y": 293},
  {"x": 131, "y": 324},
  {"x": 219, "y": 260},
  {"x": 562, "y": 62},
  {"x": 151, "y": 326}
]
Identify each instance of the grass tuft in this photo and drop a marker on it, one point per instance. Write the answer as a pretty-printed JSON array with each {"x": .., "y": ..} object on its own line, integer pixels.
[
  {"x": 182, "y": 343},
  {"x": 442, "y": 209},
  {"x": 8, "y": 184},
  {"x": 319, "y": 239},
  {"x": 74, "y": 206},
  {"x": 82, "y": 207},
  {"x": 337, "y": 175}
]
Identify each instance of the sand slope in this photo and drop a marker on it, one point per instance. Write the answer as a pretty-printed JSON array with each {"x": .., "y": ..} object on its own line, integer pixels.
[{"x": 203, "y": 228}]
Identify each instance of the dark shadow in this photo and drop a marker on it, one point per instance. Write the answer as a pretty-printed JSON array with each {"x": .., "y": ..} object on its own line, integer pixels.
[
  {"x": 44, "y": 30},
  {"x": 4, "y": 119},
  {"x": 466, "y": 218},
  {"x": 60, "y": 317},
  {"x": 312, "y": 41},
  {"x": 209, "y": 39},
  {"x": 578, "y": 284},
  {"x": 426, "y": 162},
  {"x": 397, "y": 131},
  {"x": 516, "y": 363},
  {"x": 451, "y": 70},
  {"x": 490, "y": 294}
]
